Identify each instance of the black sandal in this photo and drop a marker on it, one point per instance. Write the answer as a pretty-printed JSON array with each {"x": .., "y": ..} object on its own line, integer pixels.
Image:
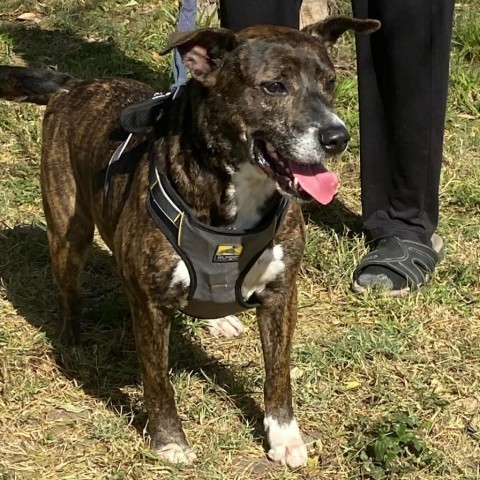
[{"x": 413, "y": 261}]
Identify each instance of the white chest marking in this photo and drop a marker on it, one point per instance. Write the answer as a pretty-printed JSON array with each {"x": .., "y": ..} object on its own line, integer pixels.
[
  {"x": 266, "y": 269},
  {"x": 180, "y": 275},
  {"x": 252, "y": 189}
]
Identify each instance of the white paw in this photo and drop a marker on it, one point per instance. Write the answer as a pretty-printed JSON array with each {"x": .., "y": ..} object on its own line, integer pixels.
[
  {"x": 174, "y": 453},
  {"x": 227, "y": 327},
  {"x": 285, "y": 442}
]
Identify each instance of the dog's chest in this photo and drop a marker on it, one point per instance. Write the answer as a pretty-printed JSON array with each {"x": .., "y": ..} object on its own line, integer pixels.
[
  {"x": 252, "y": 189},
  {"x": 250, "y": 262},
  {"x": 222, "y": 268},
  {"x": 268, "y": 268},
  {"x": 249, "y": 192}
]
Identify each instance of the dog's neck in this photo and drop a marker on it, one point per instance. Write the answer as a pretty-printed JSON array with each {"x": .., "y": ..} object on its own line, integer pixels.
[{"x": 201, "y": 170}]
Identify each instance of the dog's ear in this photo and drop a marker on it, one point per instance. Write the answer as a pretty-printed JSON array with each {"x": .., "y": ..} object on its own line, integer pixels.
[
  {"x": 330, "y": 29},
  {"x": 203, "y": 51}
]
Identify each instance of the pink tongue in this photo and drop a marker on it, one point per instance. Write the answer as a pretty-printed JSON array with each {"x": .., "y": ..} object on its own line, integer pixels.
[{"x": 316, "y": 181}]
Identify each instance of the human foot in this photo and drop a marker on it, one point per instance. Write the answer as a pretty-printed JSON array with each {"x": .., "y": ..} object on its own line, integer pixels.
[{"x": 397, "y": 266}]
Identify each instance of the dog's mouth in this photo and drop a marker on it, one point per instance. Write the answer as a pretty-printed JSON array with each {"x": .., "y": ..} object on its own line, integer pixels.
[{"x": 295, "y": 179}]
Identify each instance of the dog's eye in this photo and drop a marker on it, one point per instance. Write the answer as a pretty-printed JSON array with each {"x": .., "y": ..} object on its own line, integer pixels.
[{"x": 274, "y": 88}]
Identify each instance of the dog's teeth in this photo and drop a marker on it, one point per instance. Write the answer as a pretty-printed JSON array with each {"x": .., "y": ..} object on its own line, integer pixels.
[
  {"x": 295, "y": 182},
  {"x": 271, "y": 150}
]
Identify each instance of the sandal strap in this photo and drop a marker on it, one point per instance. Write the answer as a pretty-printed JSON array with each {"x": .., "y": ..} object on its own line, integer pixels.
[{"x": 412, "y": 260}]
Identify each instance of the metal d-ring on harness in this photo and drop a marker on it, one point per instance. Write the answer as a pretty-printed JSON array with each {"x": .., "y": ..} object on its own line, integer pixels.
[{"x": 217, "y": 258}]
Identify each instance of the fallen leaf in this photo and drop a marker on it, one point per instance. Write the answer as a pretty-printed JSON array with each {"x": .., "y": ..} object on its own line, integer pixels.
[
  {"x": 29, "y": 17},
  {"x": 352, "y": 384}
]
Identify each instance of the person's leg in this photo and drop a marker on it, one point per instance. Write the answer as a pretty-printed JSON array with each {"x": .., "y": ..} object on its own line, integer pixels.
[
  {"x": 238, "y": 14},
  {"x": 403, "y": 80}
]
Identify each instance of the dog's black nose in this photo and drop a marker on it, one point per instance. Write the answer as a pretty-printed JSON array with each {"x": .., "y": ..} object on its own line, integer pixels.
[{"x": 334, "y": 139}]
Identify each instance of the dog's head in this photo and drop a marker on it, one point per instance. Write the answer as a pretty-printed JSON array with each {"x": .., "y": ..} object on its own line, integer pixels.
[{"x": 270, "y": 91}]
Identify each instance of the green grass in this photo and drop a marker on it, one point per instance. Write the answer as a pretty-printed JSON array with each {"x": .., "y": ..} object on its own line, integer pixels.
[{"x": 384, "y": 388}]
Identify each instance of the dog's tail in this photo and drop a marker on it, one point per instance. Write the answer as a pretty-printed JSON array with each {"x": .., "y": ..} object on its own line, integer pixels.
[{"x": 32, "y": 85}]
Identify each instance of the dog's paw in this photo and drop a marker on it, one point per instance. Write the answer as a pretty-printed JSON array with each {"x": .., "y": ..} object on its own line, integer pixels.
[
  {"x": 285, "y": 442},
  {"x": 174, "y": 453},
  {"x": 227, "y": 327}
]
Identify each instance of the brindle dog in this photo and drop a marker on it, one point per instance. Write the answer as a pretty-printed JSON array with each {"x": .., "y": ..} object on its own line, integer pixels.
[{"x": 254, "y": 123}]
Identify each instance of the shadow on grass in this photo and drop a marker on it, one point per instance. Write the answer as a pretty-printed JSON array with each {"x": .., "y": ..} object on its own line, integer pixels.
[
  {"x": 334, "y": 216},
  {"x": 69, "y": 53},
  {"x": 106, "y": 360}
]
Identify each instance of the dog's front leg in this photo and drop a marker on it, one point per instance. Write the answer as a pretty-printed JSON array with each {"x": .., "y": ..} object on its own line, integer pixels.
[
  {"x": 152, "y": 332},
  {"x": 276, "y": 320}
]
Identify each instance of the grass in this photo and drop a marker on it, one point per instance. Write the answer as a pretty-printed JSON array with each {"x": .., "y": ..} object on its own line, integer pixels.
[{"x": 384, "y": 388}]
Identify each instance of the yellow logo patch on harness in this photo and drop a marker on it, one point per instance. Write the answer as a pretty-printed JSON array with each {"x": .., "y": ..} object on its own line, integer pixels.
[{"x": 228, "y": 253}]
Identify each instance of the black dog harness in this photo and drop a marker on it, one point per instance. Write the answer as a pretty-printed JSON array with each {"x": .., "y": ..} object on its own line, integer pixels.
[{"x": 217, "y": 258}]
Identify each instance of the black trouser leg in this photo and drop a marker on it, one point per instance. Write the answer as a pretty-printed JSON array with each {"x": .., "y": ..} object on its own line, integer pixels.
[
  {"x": 238, "y": 14},
  {"x": 403, "y": 80}
]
